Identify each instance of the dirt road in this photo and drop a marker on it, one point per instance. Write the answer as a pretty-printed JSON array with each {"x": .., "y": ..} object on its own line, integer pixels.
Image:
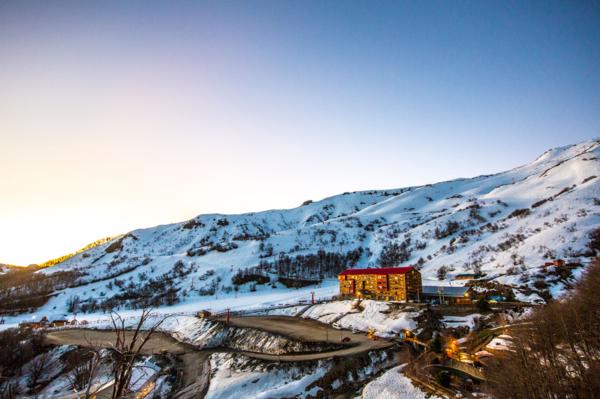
[
  {"x": 196, "y": 368},
  {"x": 106, "y": 338},
  {"x": 307, "y": 330}
]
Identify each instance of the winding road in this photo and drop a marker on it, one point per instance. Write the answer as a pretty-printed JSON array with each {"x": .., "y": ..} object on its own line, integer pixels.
[
  {"x": 196, "y": 365},
  {"x": 307, "y": 330}
]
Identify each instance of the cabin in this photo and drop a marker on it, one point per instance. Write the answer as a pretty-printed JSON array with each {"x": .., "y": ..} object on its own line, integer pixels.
[
  {"x": 386, "y": 284},
  {"x": 203, "y": 314},
  {"x": 447, "y": 295},
  {"x": 59, "y": 323},
  {"x": 555, "y": 262},
  {"x": 465, "y": 276},
  {"x": 34, "y": 325}
]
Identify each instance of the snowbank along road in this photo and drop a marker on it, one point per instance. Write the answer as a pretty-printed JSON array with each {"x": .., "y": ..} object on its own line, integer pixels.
[
  {"x": 306, "y": 330},
  {"x": 196, "y": 367}
]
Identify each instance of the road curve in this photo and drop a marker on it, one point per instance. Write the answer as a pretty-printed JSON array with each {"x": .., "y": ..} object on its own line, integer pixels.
[
  {"x": 196, "y": 368},
  {"x": 306, "y": 330}
]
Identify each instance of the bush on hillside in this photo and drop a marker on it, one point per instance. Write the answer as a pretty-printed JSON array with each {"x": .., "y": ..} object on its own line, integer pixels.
[
  {"x": 556, "y": 354},
  {"x": 450, "y": 228}
]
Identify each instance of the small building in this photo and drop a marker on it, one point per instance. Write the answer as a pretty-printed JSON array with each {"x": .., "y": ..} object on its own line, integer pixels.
[
  {"x": 465, "y": 276},
  {"x": 555, "y": 262},
  {"x": 386, "y": 284},
  {"x": 34, "y": 325},
  {"x": 59, "y": 323},
  {"x": 447, "y": 295},
  {"x": 203, "y": 314}
]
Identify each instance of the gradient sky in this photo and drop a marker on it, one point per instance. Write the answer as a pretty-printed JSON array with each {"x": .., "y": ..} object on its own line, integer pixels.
[{"x": 119, "y": 115}]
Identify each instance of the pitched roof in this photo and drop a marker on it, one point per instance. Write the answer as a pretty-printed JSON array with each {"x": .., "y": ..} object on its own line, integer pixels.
[
  {"x": 381, "y": 271},
  {"x": 444, "y": 290}
]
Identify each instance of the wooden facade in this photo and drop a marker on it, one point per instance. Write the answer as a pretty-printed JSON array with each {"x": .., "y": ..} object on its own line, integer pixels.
[{"x": 386, "y": 284}]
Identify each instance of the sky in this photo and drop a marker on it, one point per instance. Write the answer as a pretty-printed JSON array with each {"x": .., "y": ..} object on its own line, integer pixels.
[{"x": 121, "y": 115}]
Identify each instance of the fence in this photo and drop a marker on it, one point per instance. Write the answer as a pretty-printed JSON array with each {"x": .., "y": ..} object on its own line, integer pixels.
[{"x": 223, "y": 313}]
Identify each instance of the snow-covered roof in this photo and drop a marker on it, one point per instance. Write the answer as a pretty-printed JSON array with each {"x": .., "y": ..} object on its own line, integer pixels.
[{"x": 380, "y": 271}]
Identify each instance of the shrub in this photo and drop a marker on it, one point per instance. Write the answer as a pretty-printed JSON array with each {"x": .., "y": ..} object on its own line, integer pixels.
[
  {"x": 118, "y": 244},
  {"x": 483, "y": 305},
  {"x": 248, "y": 275},
  {"x": 540, "y": 284},
  {"x": 429, "y": 321},
  {"x": 539, "y": 203},
  {"x": 436, "y": 345},
  {"x": 519, "y": 213},
  {"x": 561, "y": 340},
  {"x": 393, "y": 254},
  {"x": 594, "y": 243},
  {"x": 442, "y": 272},
  {"x": 450, "y": 228},
  {"x": 443, "y": 378},
  {"x": 73, "y": 304},
  {"x": 192, "y": 224}
]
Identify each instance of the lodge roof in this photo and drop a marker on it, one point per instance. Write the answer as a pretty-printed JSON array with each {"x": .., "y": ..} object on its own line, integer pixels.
[
  {"x": 444, "y": 290},
  {"x": 379, "y": 271}
]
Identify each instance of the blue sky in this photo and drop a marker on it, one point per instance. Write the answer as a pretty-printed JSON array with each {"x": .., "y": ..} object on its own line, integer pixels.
[{"x": 115, "y": 116}]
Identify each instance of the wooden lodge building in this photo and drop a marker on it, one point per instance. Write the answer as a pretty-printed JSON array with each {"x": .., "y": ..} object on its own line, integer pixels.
[{"x": 387, "y": 284}]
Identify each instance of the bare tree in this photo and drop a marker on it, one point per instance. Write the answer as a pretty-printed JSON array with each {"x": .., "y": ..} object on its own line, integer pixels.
[
  {"x": 8, "y": 391},
  {"x": 37, "y": 367},
  {"x": 442, "y": 272},
  {"x": 128, "y": 346},
  {"x": 84, "y": 371},
  {"x": 557, "y": 354}
]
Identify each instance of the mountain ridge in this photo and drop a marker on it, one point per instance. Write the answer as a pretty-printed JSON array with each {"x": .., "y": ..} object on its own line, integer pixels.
[{"x": 503, "y": 225}]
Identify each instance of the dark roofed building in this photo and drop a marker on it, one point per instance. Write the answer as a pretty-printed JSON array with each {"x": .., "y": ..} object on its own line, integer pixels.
[{"x": 447, "y": 294}]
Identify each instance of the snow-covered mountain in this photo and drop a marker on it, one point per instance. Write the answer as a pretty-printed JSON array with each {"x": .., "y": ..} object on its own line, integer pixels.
[{"x": 503, "y": 226}]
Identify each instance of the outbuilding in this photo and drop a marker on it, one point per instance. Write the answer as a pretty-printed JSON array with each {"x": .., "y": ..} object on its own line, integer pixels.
[{"x": 447, "y": 295}]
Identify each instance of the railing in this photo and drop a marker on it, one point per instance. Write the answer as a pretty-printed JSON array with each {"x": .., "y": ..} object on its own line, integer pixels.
[
  {"x": 256, "y": 311},
  {"x": 220, "y": 314},
  {"x": 453, "y": 365}
]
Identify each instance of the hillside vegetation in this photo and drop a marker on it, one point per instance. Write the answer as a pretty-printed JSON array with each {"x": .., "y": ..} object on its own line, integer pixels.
[
  {"x": 501, "y": 227},
  {"x": 556, "y": 351}
]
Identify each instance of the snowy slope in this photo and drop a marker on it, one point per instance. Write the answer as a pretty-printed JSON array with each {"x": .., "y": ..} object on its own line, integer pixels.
[
  {"x": 465, "y": 224},
  {"x": 393, "y": 385}
]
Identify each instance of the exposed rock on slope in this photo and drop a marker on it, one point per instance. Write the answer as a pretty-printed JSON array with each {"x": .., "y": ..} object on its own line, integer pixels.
[{"x": 503, "y": 226}]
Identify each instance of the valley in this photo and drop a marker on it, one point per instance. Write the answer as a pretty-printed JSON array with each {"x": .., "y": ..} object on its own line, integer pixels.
[{"x": 252, "y": 303}]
